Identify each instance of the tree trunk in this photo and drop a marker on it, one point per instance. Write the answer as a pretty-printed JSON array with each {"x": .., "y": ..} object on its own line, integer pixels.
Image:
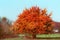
[{"x": 34, "y": 36}]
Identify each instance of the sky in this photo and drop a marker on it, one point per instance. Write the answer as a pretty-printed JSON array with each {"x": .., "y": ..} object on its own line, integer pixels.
[{"x": 12, "y": 8}]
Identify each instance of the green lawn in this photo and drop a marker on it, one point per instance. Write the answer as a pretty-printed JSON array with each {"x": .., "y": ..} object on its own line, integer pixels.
[{"x": 49, "y": 36}]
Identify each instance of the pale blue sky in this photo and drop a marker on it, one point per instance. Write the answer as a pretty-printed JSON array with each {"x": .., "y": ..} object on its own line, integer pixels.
[{"x": 11, "y": 8}]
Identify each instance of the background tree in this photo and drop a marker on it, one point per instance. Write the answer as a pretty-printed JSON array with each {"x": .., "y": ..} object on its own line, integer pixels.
[
  {"x": 5, "y": 25},
  {"x": 33, "y": 21},
  {"x": 0, "y": 28}
]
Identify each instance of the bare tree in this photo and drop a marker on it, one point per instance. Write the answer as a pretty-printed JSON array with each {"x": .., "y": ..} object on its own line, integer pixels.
[{"x": 5, "y": 25}]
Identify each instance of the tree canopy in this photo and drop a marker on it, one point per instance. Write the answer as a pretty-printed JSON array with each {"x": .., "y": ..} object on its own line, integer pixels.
[{"x": 33, "y": 21}]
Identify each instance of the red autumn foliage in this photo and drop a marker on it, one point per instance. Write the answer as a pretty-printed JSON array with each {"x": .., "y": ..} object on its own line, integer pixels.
[{"x": 33, "y": 21}]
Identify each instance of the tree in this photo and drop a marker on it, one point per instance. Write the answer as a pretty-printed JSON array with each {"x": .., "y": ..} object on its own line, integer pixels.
[
  {"x": 5, "y": 25},
  {"x": 33, "y": 21},
  {"x": 0, "y": 28}
]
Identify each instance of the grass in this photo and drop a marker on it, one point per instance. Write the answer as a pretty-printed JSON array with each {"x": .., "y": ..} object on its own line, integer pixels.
[
  {"x": 38, "y": 36},
  {"x": 48, "y": 36}
]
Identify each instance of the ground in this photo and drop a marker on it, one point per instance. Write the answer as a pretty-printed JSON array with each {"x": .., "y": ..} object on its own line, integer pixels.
[{"x": 46, "y": 37}]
